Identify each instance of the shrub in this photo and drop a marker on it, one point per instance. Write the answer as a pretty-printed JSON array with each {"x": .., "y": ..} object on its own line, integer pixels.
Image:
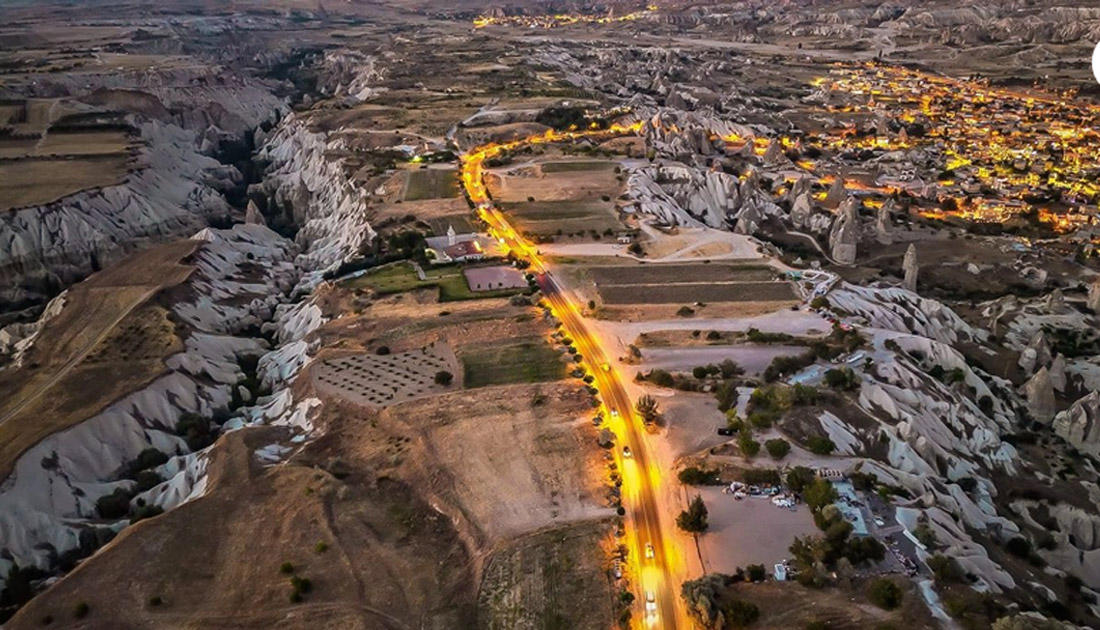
[
  {"x": 946, "y": 569},
  {"x": 155, "y": 601},
  {"x": 693, "y": 519},
  {"x": 760, "y": 476},
  {"x": 695, "y": 476},
  {"x": 820, "y": 445},
  {"x": 925, "y": 535},
  {"x": 819, "y": 493},
  {"x": 146, "y": 480},
  {"x": 144, "y": 512},
  {"x": 755, "y": 573},
  {"x": 777, "y": 448},
  {"x": 749, "y": 447},
  {"x": 842, "y": 378},
  {"x": 286, "y": 568},
  {"x": 195, "y": 430},
  {"x": 726, "y": 394},
  {"x": 301, "y": 584},
  {"x": 444, "y": 378},
  {"x": 114, "y": 505},
  {"x": 382, "y": 350},
  {"x": 740, "y": 613},
  {"x": 700, "y": 372},
  {"x": 1019, "y": 547},
  {"x": 685, "y": 311},
  {"x": 884, "y": 593},
  {"x": 321, "y": 546},
  {"x": 81, "y": 610}
]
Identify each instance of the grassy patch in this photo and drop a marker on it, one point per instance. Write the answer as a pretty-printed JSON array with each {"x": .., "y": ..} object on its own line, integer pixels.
[
  {"x": 460, "y": 222},
  {"x": 431, "y": 183},
  {"x": 518, "y": 361},
  {"x": 401, "y": 277}
]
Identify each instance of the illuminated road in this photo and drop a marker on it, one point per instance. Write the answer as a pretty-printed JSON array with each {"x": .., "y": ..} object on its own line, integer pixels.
[{"x": 641, "y": 473}]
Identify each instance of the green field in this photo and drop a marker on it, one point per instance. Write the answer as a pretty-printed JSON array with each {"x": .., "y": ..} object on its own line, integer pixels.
[
  {"x": 574, "y": 167},
  {"x": 401, "y": 277},
  {"x": 430, "y": 183},
  {"x": 514, "y": 361}
]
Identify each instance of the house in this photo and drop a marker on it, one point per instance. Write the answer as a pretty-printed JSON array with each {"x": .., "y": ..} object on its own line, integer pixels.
[{"x": 456, "y": 248}]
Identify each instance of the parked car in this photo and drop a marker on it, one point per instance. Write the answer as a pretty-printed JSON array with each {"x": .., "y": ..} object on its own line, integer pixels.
[{"x": 725, "y": 431}]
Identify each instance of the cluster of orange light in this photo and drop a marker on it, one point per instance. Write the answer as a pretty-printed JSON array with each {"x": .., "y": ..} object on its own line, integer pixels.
[
  {"x": 558, "y": 20},
  {"x": 1017, "y": 143}
]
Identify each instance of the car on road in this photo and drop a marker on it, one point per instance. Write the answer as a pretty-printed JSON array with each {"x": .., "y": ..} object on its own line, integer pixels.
[
  {"x": 614, "y": 413},
  {"x": 606, "y": 367},
  {"x": 627, "y": 452},
  {"x": 725, "y": 431},
  {"x": 650, "y": 604},
  {"x": 649, "y": 552}
]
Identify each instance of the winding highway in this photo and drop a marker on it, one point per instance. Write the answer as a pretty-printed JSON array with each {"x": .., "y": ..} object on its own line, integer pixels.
[{"x": 655, "y": 578}]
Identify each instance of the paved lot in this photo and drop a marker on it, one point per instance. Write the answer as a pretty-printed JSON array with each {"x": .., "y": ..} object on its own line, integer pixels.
[{"x": 749, "y": 531}]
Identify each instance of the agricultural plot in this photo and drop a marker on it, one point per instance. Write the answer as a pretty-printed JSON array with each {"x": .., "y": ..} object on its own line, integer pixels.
[
  {"x": 429, "y": 183},
  {"x": 548, "y": 218},
  {"x": 107, "y": 341},
  {"x": 550, "y": 580},
  {"x": 703, "y": 292},
  {"x": 675, "y": 274},
  {"x": 514, "y": 361},
  {"x": 577, "y": 166},
  {"x": 462, "y": 223},
  {"x": 377, "y": 381},
  {"x": 33, "y": 182},
  {"x": 687, "y": 284}
]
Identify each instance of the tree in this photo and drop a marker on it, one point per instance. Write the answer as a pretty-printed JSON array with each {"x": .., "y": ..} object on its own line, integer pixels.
[
  {"x": 726, "y": 394},
  {"x": 695, "y": 476},
  {"x": 777, "y": 448},
  {"x": 755, "y": 573},
  {"x": 444, "y": 378},
  {"x": 647, "y": 409},
  {"x": 884, "y": 593},
  {"x": 729, "y": 369},
  {"x": 799, "y": 477},
  {"x": 946, "y": 569},
  {"x": 819, "y": 494},
  {"x": 702, "y": 597},
  {"x": 693, "y": 519}
]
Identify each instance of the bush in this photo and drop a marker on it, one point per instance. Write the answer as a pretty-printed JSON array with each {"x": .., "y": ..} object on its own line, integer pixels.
[
  {"x": 820, "y": 445},
  {"x": 114, "y": 505},
  {"x": 749, "y": 447},
  {"x": 144, "y": 512},
  {"x": 842, "y": 378},
  {"x": 195, "y": 430},
  {"x": 81, "y": 610},
  {"x": 946, "y": 569},
  {"x": 155, "y": 601},
  {"x": 1019, "y": 547},
  {"x": 444, "y": 378},
  {"x": 286, "y": 568},
  {"x": 693, "y": 519},
  {"x": 740, "y": 613},
  {"x": 755, "y": 573},
  {"x": 819, "y": 493},
  {"x": 147, "y": 480},
  {"x": 760, "y": 476},
  {"x": 301, "y": 584},
  {"x": 777, "y": 448},
  {"x": 695, "y": 476},
  {"x": 382, "y": 350},
  {"x": 321, "y": 546},
  {"x": 685, "y": 311},
  {"x": 884, "y": 593}
]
